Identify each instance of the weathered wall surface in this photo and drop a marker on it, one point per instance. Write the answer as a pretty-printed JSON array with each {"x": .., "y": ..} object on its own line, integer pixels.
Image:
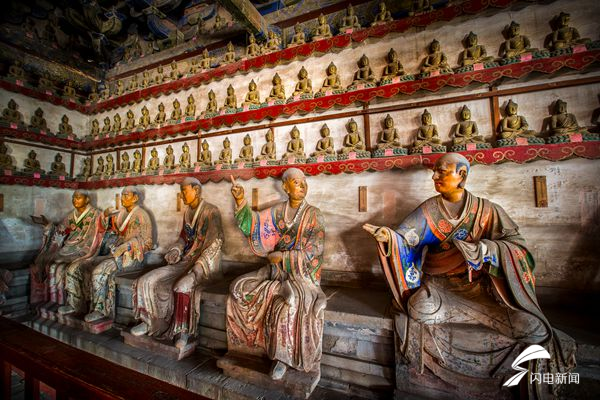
[{"x": 562, "y": 237}]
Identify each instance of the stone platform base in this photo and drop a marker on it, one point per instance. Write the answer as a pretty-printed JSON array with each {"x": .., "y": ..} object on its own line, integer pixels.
[
  {"x": 256, "y": 371},
  {"x": 163, "y": 347}
]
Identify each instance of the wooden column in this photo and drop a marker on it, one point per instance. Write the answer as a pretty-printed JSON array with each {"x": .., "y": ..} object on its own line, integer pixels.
[
  {"x": 72, "y": 164},
  {"x": 495, "y": 107},
  {"x": 118, "y": 161},
  {"x": 199, "y": 147},
  {"x": 367, "y": 127}
]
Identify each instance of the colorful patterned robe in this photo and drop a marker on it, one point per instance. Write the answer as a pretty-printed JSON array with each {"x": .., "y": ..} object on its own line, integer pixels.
[
  {"x": 76, "y": 237},
  {"x": 154, "y": 299},
  {"x": 474, "y": 271},
  {"x": 134, "y": 230},
  {"x": 278, "y": 309}
]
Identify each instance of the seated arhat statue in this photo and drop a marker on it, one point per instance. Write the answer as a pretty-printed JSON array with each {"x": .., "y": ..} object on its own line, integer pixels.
[
  {"x": 205, "y": 157},
  {"x": 6, "y": 162},
  {"x": 246, "y": 152},
  {"x": 268, "y": 151},
  {"x": 435, "y": 60},
  {"x": 133, "y": 229},
  {"x": 563, "y": 122},
  {"x": 515, "y": 44},
  {"x": 299, "y": 36},
  {"x": 473, "y": 53},
  {"x": 459, "y": 269},
  {"x": 11, "y": 115},
  {"x": 563, "y": 35},
  {"x": 167, "y": 300},
  {"x": 278, "y": 309},
  {"x": 324, "y": 145},
  {"x": 295, "y": 147},
  {"x": 350, "y": 20},
  {"x": 389, "y": 138},
  {"x": 64, "y": 128},
  {"x": 383, "y": 16},
  {"x": 225, "y": 155},
  {"x": 253, "y": 49},
  {"x": 513, "y": 125},
  {"x": 323, "y": 31},
  {"x": 74, "y": 240},
  {"x": 38, "y": 121}
]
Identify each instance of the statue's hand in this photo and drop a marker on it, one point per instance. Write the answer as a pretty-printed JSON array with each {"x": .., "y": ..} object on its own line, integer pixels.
[
  {"x": 378, "y": 232},
  {"x": 237, "y": 191},
  {"x": 173, "y": 256},
  {"x": 275, "y": 257}
]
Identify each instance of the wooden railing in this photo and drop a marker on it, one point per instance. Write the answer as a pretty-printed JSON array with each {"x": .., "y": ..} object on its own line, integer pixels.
[{"x": 70, "y": 372}]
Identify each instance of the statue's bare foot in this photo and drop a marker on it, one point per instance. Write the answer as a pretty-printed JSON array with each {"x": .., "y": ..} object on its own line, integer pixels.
[
  {"x": 182, "y": 341},
  {"x": 139, "y": 329},
  {"x": 93, "y": 316},
  {"x": 64, "y": 310},
  {"x": 278, "y": 370}
]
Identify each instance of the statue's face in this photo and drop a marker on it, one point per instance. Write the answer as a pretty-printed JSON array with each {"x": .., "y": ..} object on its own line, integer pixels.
[
  {"x": 564, "y": 20},
  {"x": 204, "y": 146},
  {"x": 392, "y": 56},
  {"x": 562, "y": 108},
  {"x": 169, "y": 150},
  {"x": 295, "y": 188},
  {"x": 389, "y": 122},
  {"x": 107, "y": 120},
  {"x": 117, "y": 117},
  {"x": 276, "y": 80},
  {"x": 322, "y": 19},
  {"x": 297, "y": 29},
  {"x": 350, "y": 11},
  {"x": 189, "y": 193},
  {"x": 269, "y": 136},
  {"x": 80, "y": 200},
  {"x": 466, "y": 115},
  {"x": 295, "y": 133},
  {"x": 445, "y": 177},
  {"x": 58, "y": 158},
  {"x": 252, "y": 40},
  {"x": 472, "y": 40},
  {"x": 252, "y": 86},
  {"x": 511, "y": 109},
  {"x": 32, "y": 155},
  {"x": 435, "y": 46},
  {"x": 246, "y": 141},
  {"x": 129, "y": 199},
  {"x": 154, "y": 153},
  {"x": 229, "y": 90},
  {"x": 332, "y": 70},
  {"x": 382, "y": 7},
  {"x": 226, "y": 144},
  {"x": 352, "y": 126},
  {"x": 426, "y": 118},
  {"x": 324, "y": 131},
  {"x": 186, "y": 149},
  {"x": 211, "y": 95},
  {"x": 161, "y": 107},
  {"x": 302, "y": 74}
]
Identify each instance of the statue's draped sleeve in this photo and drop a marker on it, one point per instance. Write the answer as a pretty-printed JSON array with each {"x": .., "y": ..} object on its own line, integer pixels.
[{"x": 135, "y": 233}]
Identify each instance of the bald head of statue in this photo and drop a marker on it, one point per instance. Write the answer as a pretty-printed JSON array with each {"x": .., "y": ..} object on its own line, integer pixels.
[{"x": 450, "y": 173}]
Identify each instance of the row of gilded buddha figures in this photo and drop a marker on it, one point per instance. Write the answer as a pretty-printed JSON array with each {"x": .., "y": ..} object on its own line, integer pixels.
[
  {"x": 562, "y": 124},
  {"x": 562, "y": 37},
  {"x": 279, "y": 309}
]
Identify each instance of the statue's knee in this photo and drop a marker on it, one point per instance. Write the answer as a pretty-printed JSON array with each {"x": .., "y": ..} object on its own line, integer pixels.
[{"x": 425, "y": 305}]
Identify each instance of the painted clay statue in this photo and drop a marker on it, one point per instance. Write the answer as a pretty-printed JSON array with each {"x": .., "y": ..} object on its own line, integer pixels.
[
  {"x": 278, "y": 91},
  {"x": 205, "y": 158},
  {"x": 64, "y": 128},
  {"x": 299, "y": 36},
  {"x": 562, "y": 122},
  {"x": 247, "y": 151},
  {"x": 252, "y": 97},
  {"x": 332, "y": 82},
  {"x": 58, "y": 167},
  {"x": 225, "y": 155},
  {"x": 383, "y": 16},
  {"x": 389, "y": 137},
  {"x": 393, "y": 68},
  {"x": 563, "y": 35},
  {"x": 323, "y": 31},
  {"x": 473, "y": 53},
  {"x": 466, "y": 130},
  {"x": 513, "y": 125},
  {"x": 427, "y": 134},
  {"x": 268, "y": 151},
  {"x": 295, "y": 147},
  {"x": 353, "y": 141},
  {"x": 169, "y": 160},
  {"x": 325, "y": 144},
  {"x": 185, "y": 160},
  {"x": 350, "y": 21},
  {"x": 39, "y": 122},
  {"x": 515, "y": 44},
  {"x": 154, "y": 162},
  {"x": 436, "y": 60},
  {"x": 304, "y": 85}
]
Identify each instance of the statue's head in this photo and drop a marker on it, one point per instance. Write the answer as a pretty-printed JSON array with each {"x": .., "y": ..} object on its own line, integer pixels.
[
  {"x": 169, "y": 149},
  {"x": 247, "y": 140},
  {"x": 251, "y": 38},
  {"x": 161, "y": 107},
  {"x": 350, "y": 10},
  {"x": 230, "y": 90},
  {"x": 434, "y": 46},
  {"x": 32, "y": 155},
  {"x": 106, "y": 120},
  {"x": 382, "y": 7},
  {"x": 109, "y": 158},
  {"x": 252, "y": 85},
  {"x": 80, "y": 199},
  {"x": 511, "y": 108},
  {"x": 58, "y": 157},
  {"x": 471, "y": 39},
  {"x": 276, "y": 79},
  {"x": 230, "y": 46},
  {"x": 205, "y": 53},
  {"x": 160, "y": 69},
  {"x": 388, "y": 122},
  {"x": 146, "y": 74},
  {"x": 226, "y": 143},
  {"x": 295, "y": 133},
  {"x": 174, "y": 64},
  {"x": 39, "y": 112},
  {"x": 190, "y": 99},
  {"x": 12, "y": 104},
  {"x": 331, "y": 69},
  {"x": 145, "y": 110},
  {"x": 426, "y": 118},
  {"x": 560, "y": 107},
  {"x": 154, "y": 152},
  {"x": 95, "y": 123},
  {"x": 130, "y": 114},
  {"x": 137, "y": 155},
  {"x": 211, "y": 95},
  {"x": 324, "y": 131},
  {"x": 450, "y": 173},
  {"x": 294, "y": 184},
  {"x": 100, "y": 160},
  {"x": 191, "y": 189},
  {"x": 322, "y": 19},
  {"x": 120, "y": 83},
  {"x": 176, "y": 103},
  {"x": 125, "y": 156},
  {"x": 563, "y": 19},
  {"x": 3, "y": 148},
  {"x": 303, "y": 73},
  {"x": 363, "y": 61},
  {"x": 186, "y": 148},
  {"x": 392, "y": 55},
  {"x": 352, "y": 126},
  {"x": 204, "y": 145},
  {"x": 130, "y": 196},
  {"x": 465, "y": 113},
  {"x": 117, "y": 117},
  {"x": 297, "y": 28}
]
